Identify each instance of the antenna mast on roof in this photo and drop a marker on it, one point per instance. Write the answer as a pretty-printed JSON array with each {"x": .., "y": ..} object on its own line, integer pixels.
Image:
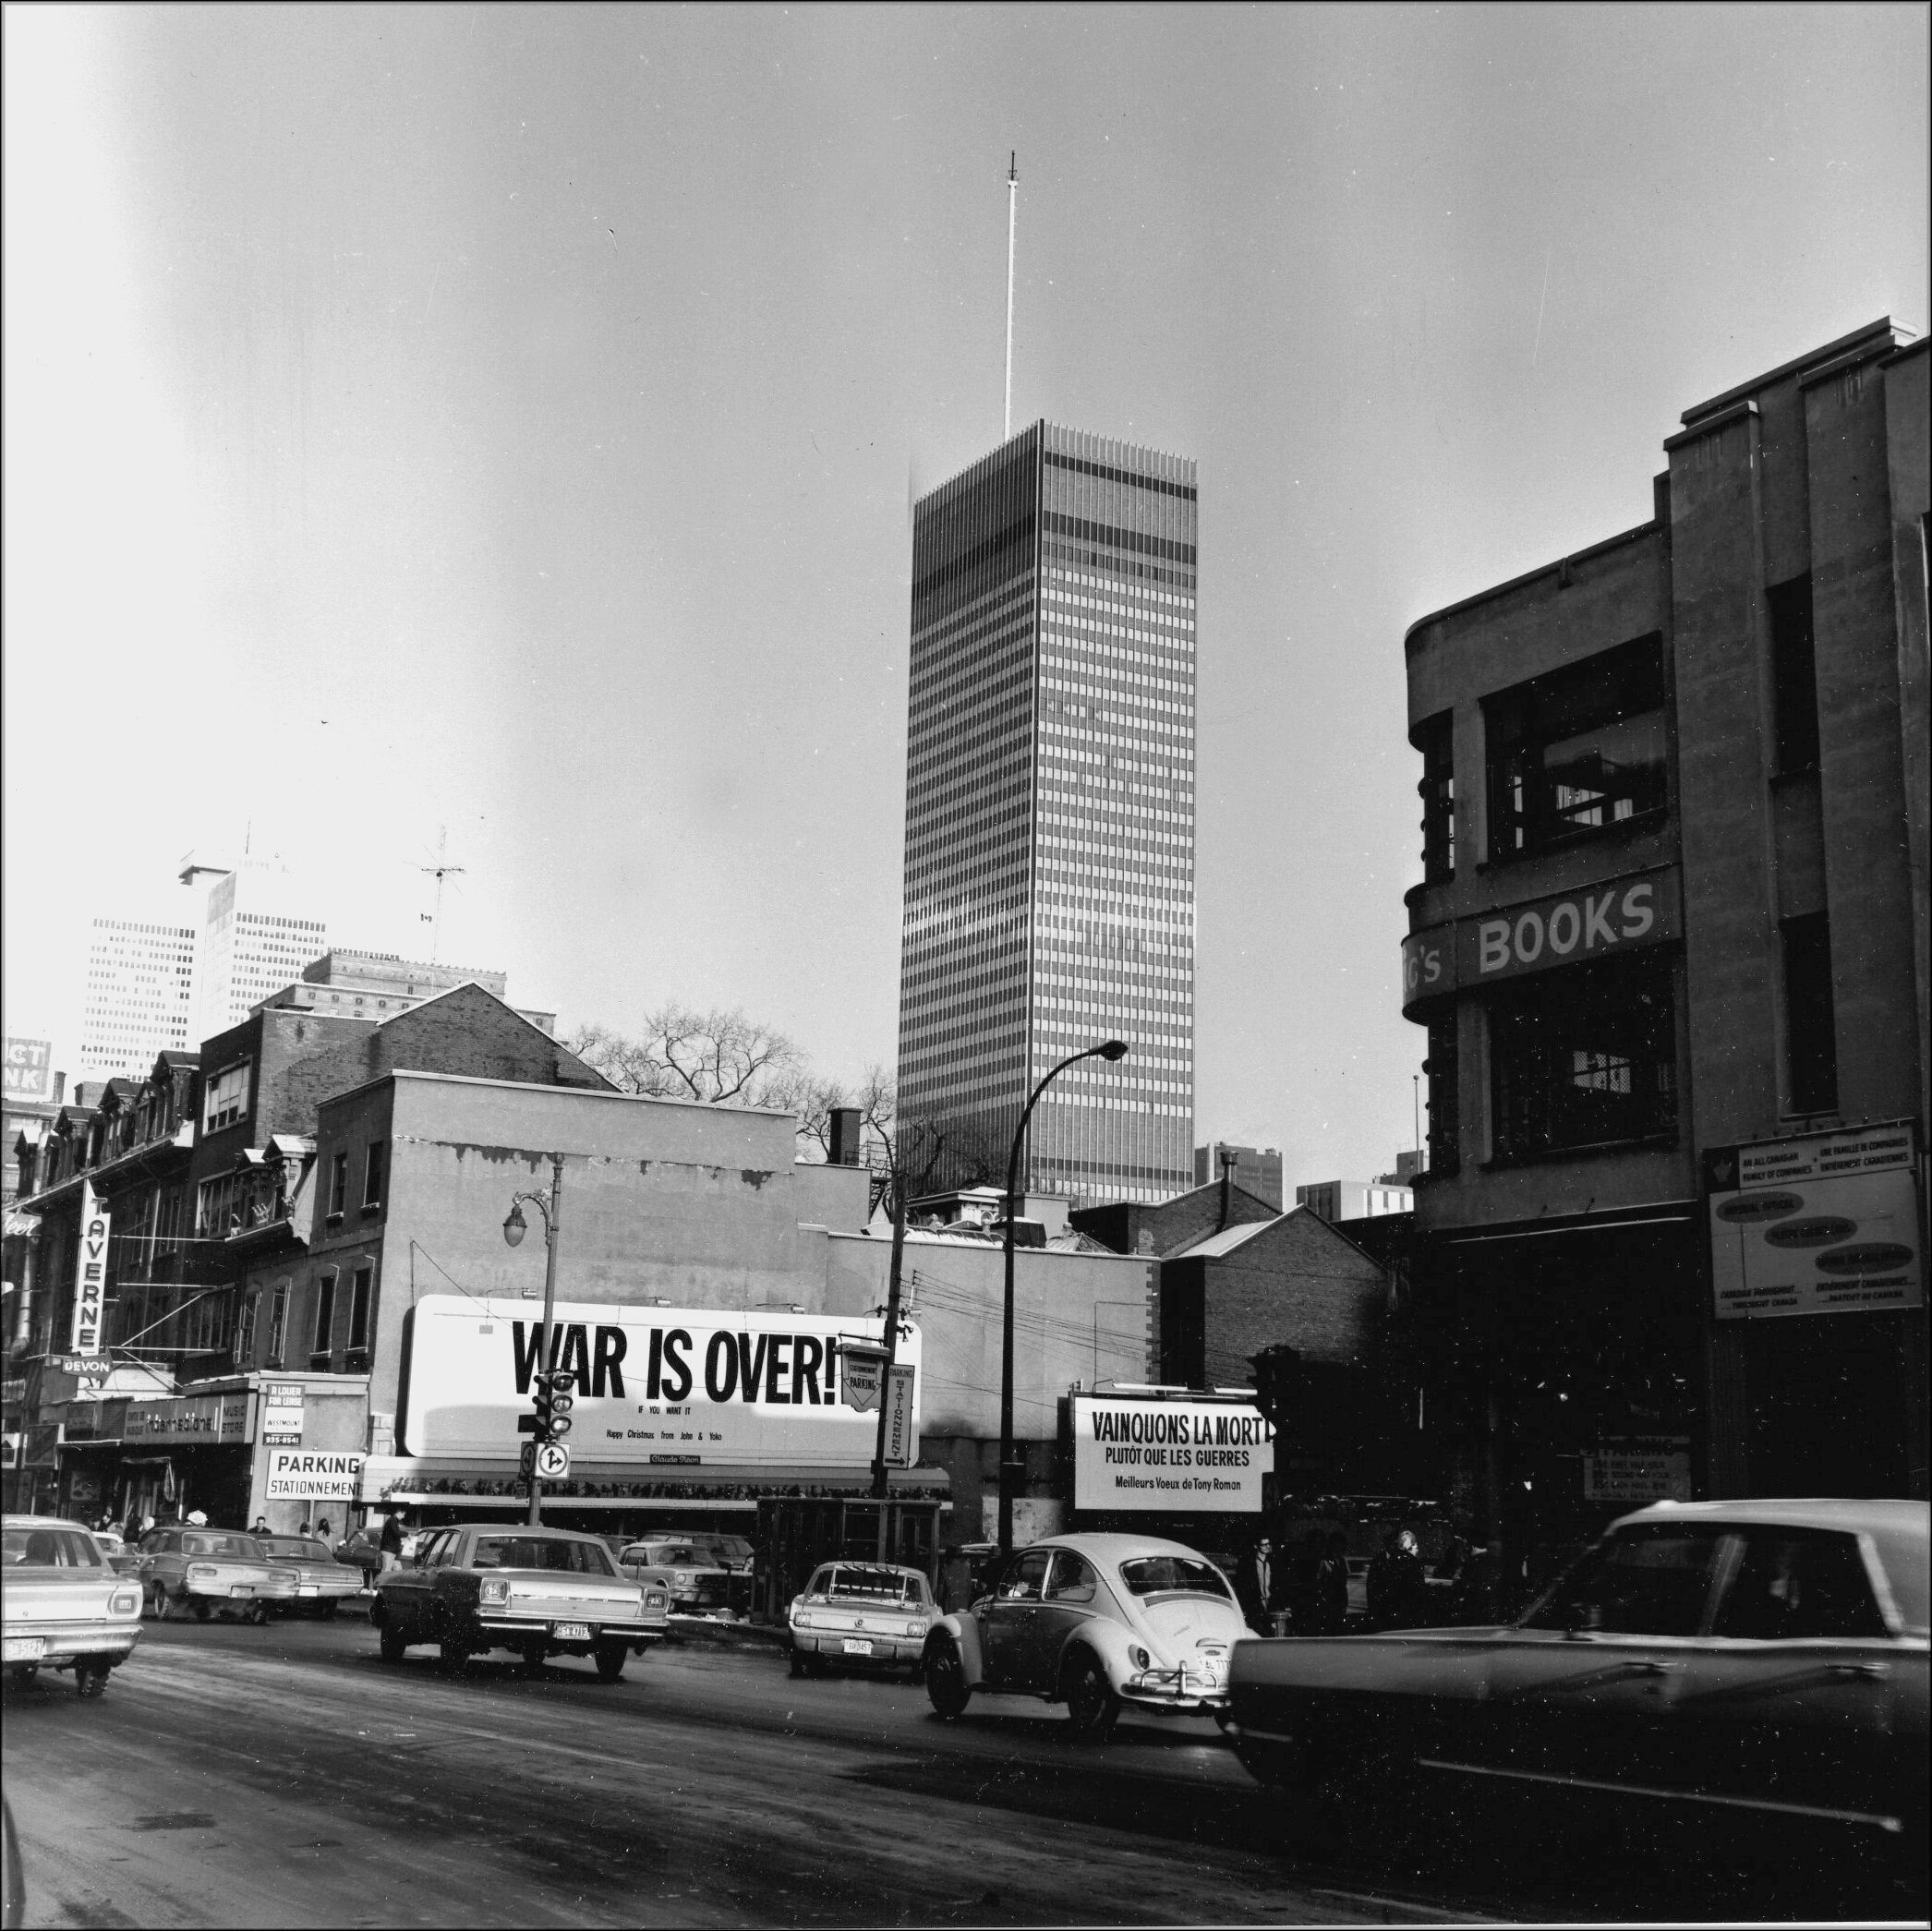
[
  {"x": 442, "y": 869},
  {"x": 1012, "y": 225}
]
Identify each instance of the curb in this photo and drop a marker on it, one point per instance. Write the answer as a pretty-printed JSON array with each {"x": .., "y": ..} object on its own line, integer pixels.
[{"x": 727, "y": 1636}]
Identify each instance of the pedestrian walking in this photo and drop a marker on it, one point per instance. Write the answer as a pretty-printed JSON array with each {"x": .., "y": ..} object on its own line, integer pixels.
[
  {"x": 1254, "y": 1586},
  {"x": 1397, "y": 1584},
  {"x": 391, "y": 1542}
]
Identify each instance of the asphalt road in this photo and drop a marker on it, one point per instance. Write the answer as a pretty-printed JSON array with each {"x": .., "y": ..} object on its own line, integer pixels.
[{"x": 284, "y": 1776}]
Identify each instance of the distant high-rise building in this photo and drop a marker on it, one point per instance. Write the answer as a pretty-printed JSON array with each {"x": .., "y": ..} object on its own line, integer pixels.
[
  {"x": 1355, "y": 1199},
  {"x": 139, "y": 1000},
  {"x": 256, "y": 936},
  {"x": 1049, "y": 880},
  {"x": 1256, "y": 1168}
]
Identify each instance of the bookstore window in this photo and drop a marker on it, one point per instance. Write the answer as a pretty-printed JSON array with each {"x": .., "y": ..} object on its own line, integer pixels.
[
  {"x": 1584, "y": 1058},
  {"x": 1577, "y": 752}
]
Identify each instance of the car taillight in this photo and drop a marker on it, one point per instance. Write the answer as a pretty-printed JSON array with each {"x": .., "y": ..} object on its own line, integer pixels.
[
  {"x": 124, "y": 1602},
  {"x": 495, "y": 1589},
  {"x": 201, "y": 1571}
]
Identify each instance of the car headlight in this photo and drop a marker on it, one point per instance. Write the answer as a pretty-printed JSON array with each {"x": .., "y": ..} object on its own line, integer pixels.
[
  {"x": 654, "y": 1600},
  {"x": 495, "y": 1589},
  {"x": 124, "y": 1602},
  {"x": 681, "y": 1577},
  {"x": 1139, "y": 1657}
]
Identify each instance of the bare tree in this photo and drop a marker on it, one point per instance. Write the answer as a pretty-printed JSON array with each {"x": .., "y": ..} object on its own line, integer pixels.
[{"x": 722, "y": 1058}]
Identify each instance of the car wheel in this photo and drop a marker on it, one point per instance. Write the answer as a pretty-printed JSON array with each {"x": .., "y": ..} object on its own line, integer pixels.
[
  {"x": 1091, "y": 1706},
  {"x": 394, "y": 1644},
  {"x": 946, "y": 1685},
  {"x": 91, "y": 1678},
  {"x": 258, "y": 1613},
  {"x": 166, "y": 1609},
  {"x": 798, "y": 1664},
  {"x": 24, "y": 1674},
  {"x": 610, "y": 1660},
  {"x": 329, "y": 1610},
  {"x": 200, "y": 1610}
]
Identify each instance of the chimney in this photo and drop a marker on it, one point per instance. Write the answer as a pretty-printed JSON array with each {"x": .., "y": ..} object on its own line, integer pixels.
[
  {"x": 846, "y": 1123},
  {"x": 1229, "y": 1161}
]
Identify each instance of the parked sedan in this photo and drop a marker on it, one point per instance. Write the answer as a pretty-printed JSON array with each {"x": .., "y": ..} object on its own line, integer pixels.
[
  {"x": 1716, "y": 1662},
  {"x": 210, "y": 1572},
  {"x": 322, "y": 1584},
  {"x": 861, "y": 1613},
  {"x": 1097, "y": 1623},
  {"x": 506, "y": 1586},
  {"x": 61, "y": 1605}
]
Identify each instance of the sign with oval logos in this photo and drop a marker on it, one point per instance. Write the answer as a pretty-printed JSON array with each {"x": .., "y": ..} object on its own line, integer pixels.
[{"x": 1824, "y": 1224}]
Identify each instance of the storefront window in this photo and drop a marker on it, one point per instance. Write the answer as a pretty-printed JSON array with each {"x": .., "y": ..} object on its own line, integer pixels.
[
  {"x": 1576, "y": 752},
  {"x": 1584, "y": 1058}
]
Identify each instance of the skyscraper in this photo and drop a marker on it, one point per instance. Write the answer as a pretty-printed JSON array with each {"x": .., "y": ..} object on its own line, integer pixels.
[
  {"x": 140, "y": 998},
  {"x": 1049, "y": 882},
  {"x": 255, "y": 938}
]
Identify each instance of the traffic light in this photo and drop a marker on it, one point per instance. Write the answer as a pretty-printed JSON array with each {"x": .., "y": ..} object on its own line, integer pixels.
[
  {"x": 1277, "y": 1384},
  {"x": 553, "y": 1405}
]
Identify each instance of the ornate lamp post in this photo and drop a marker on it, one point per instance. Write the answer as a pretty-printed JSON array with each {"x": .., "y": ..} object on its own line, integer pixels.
[
  {"x": 1009, "y": 1469},
  {"x": 514, "y": 1226}
]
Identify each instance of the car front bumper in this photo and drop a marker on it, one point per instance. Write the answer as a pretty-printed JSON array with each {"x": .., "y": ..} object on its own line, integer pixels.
[
  {"x": 1154, "y": 1692},
  {"x": 62, "y": 1642}
]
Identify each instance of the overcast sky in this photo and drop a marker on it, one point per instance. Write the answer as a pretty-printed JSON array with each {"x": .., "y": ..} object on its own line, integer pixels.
[{"x": 505, "y": 419}]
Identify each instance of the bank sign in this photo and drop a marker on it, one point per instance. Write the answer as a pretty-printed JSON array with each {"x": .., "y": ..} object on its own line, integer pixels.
[
  {"x": 1568, "y": 928},
  {"x": 1182, "y": 1457},
  {"x": 670, "y": 1385},
  {"x": 1824, "y": 1224}
]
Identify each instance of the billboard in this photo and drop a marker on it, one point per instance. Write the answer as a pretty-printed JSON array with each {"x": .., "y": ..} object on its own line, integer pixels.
[
  {"x": 1174, "y": 1456},
  {"x": 29, "y": 1071},
  {"x": 1824, "y": 1224},
  {"x": 663, "y": 1385}
]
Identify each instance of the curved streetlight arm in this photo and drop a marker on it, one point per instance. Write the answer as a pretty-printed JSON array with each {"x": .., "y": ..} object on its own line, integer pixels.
[{"x": 1112, "y": 1049}]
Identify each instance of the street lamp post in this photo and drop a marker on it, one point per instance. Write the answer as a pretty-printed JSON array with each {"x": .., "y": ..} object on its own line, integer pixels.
[
  {"x": 1009, "y": 1470},
  {"x": 552, "y": 1212}
]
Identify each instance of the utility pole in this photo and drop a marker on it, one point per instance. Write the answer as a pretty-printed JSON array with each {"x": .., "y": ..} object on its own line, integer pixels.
[{"x": 880, "y": 1478}]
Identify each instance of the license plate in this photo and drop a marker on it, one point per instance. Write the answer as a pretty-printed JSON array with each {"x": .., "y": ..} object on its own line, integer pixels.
[
  {"x": 857, "y": 1646},
  {"x": 25, "y": 1649},
  {"x": 240, "y": 1588},
  {"x": 571, "y": 1632},
  {"x": 309, "y": 1588}
]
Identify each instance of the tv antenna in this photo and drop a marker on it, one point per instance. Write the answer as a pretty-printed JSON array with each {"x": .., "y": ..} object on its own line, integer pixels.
[
  {"x": 441, "y": 869},
  {"x": 1012, "y": 226}
]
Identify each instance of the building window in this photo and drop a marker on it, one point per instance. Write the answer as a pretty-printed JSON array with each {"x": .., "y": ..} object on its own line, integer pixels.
[
  {"x": 278, "y": 1324},
  {"x": 1576, "y": 752},
  {"x": 360, "y": 1295},
  {"x": 244, "y": 1331},
  {"x": 1444, "y": 1096},
  {"x": 338, "y": 1184},
  {"x": 372, "y": 1174},
  {"x": 1810, "y": 1035},
  {"x": 1434, "y": 739},
  {"x": 1584, "y": 1058},
  {"x": 324, "y": 1320},
  {"x": 1794, "y": 684},
  {"x": 227, "y": 1098}
]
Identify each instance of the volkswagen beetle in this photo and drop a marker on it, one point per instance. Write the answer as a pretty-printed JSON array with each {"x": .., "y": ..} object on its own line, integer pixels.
[{"x": 1099, "y": 1623}]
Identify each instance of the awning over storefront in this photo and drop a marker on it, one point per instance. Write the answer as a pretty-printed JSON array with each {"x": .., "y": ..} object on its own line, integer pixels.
[{"x": 618, "y": 1485}]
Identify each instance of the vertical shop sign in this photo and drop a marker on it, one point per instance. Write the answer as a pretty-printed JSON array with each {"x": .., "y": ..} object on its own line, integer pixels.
[{"x": 90, "y": 1273}]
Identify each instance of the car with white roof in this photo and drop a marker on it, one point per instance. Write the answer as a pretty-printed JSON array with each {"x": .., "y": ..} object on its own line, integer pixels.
[
  {"x": 62, "y": 1606},
  {"x": 861, "y": 1613},
  {"x": 1100, "y": 1623}
]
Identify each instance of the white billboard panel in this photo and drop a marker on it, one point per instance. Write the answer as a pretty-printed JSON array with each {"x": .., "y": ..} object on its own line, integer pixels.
[
  {"x": 674, "y": 1385},
  {"x": 1176, "y": 1456}
]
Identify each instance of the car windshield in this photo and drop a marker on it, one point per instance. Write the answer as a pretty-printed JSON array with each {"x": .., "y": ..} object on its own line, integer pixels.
[
  {"x": 1165, "y": 1575},
  {"x": 244, "y": 1548},
  {"x": 296, "y": 1546},
  {"x": 732, "y": 1550},
  {"x": 585, "y": 1558},
  {"x": 877, "y": 1584},
  {"x": 50, "y": 1549},
  {"x": 1649, "y": 1581}
]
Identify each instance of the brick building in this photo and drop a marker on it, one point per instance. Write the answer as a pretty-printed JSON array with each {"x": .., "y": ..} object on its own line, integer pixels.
[
  {"x": 1674, "y": 907},
  {"x": 1163, "y": 1227}
]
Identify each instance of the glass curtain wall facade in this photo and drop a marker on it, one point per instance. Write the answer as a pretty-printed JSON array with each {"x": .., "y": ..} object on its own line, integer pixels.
[{"x": 1049, "y": 893}]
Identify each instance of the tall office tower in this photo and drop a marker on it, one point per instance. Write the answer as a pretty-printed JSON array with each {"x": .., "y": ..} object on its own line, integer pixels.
[
  {"x": 1049, "y": 886},
  {"x": 140, "y": 998},
  {"x": 255, "y": 938}
]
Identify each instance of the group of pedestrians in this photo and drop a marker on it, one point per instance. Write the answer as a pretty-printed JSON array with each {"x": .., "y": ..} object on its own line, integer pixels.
[{"x": 1306, "y": 1593}]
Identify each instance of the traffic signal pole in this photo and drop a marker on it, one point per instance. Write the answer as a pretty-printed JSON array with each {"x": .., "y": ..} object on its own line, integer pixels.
[{"x": 548, "y": 1353}]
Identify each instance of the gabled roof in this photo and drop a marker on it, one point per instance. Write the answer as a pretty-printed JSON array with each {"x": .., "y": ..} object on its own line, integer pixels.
[{"x": 1216, "y": 1245}]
